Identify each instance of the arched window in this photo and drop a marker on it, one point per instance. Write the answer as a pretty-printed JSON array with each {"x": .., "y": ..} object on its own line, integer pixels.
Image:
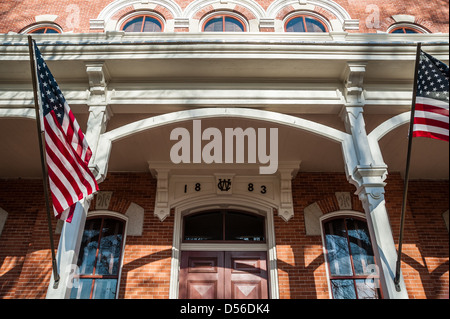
[
  {"x": 305, "y": 23},
  {"x": 224, "y": 226},
  {"x": 42, "y": 28},
  {"x": 406, "y": 28},
  {"x": 45, "y": 30},
  {"x": 99, "y": 259},
  {"x": 224, "y": 23},
  {"x": 143, "y": 23},
  {"x": 350, "y": 259}
]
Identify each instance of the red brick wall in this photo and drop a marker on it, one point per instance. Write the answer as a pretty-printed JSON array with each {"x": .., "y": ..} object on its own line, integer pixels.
[
  {"x": 25, "y": 266},
  {"x": 433, "y": 15}
]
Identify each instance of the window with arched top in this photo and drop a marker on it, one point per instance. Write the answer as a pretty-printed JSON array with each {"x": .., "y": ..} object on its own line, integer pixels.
[
  {"x": 143, "y": 23},
  {"x": 99, "y": 258},
  {"x": 305, "y": 23},
  {"x": 45, "y": 30},
  {"x": 406, "y": 28},
  {"x": 224, "y": 225},
  {"x": 224, "y": 23},
  {"x": 42, "y": 28},
  {"x": 352, "y": 271}
]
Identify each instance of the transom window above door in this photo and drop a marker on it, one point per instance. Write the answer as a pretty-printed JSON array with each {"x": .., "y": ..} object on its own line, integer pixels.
[
  {"x": 223, "y": 23},
  {"x": 224, "y": 225}
]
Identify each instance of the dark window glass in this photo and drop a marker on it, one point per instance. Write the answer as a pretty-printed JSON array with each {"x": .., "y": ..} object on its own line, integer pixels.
[
  {"x": 205, "y": 226},
  {"x": 99, "y": 259},
  {"x": 143, "y": 24},
  {"x": 305, "y": 24},
  {"x": 44, "y": 30},
  {"x": 223, "y": 24},
  {"x": 245, "y": 227},
  {"x": 224, "y": 225},
  {"x": 404, "y": 30},
  {"x": 351, "y": 259}
]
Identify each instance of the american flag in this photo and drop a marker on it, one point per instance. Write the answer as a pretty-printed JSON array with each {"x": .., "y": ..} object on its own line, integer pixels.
[
  {"x": 67, "y": 151},
  {"x": 432, "y": 103}
]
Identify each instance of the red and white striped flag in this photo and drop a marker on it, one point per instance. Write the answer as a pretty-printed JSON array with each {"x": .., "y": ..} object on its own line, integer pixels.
[
  {"x": 432, "y": 103},
  {"x": 67, "y": 151}
]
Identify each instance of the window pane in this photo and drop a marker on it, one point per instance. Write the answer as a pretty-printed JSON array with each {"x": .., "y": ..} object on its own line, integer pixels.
[
  {"x": 51, "y": 31},
  {"x": 295, "y": 25},
  {"x": 104, "y": 289},
  {"x": 367, "y": 288},
  {"x": 233, "y": 25},
  {"x": 313, "y": 25},
  {"x": 81, "y": 289},
  {"x": 152, "y": 25},
  {"x": 89, "y": 244},
  {"x": 207, "y": 226},
  {"x": 398, "y": 31},
  {"x": 239, "y": 226},
  {"x": 214, "y": 25},
  {"x": 410, "y": 31},
  {"x": 343, "y": 289},
  {"x": 337, "y": 248},
  {"x": 134, "y": 25},
  {"x": 38, "y": 31},
  {"x": 360, "y": 247},
  {"x": 110, "y": 248}
]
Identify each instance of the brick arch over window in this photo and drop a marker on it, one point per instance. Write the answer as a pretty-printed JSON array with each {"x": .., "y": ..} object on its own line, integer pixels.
[
  {"x": 114, "y": 13},
  {"x": 339, "y": 18},
  {"x": 31, "y": 23},
  {"x": 404, "y": 20},
  {"x": 340, "y": 201},
  {"x": 249, "y": 10}
]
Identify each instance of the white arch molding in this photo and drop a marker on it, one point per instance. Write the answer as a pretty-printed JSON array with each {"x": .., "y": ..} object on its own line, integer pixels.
[{"x": 106, "y": 139}]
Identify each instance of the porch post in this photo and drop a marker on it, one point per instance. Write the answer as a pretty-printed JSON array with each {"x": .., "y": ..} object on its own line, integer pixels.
[
  {"x": 367, "y": 171},
  {"x": 368, "y": 176},
  {"x": 67, "y": 254}
]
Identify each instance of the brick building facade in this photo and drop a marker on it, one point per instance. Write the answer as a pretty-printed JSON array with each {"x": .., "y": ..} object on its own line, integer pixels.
[{"x": 339, "y": 99}]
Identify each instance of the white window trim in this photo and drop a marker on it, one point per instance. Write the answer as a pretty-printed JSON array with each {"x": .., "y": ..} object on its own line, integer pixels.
[
  {"x": 217, "y": 202},
  {"x": 322, "y": 219},
  {"x": 107, "y": 213},
  {"x": 3, "y": 218}
]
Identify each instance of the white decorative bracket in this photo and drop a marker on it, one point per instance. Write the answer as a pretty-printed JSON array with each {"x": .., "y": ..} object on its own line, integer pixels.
[
  {"x": 353, "y": 83},
  {"x": 162, "y": 208},
  {"x": 98, "y": 80},
  {"x": 286, "y": 209}
]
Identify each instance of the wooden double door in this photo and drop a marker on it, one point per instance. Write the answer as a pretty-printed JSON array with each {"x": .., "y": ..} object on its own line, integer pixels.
[{"x": 223, "y": 275}]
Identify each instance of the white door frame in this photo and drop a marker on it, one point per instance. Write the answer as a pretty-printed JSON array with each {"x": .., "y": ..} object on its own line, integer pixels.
[{"x": 219, "y": 202}]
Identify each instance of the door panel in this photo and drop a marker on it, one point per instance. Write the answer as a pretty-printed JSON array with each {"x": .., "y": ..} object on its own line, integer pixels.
[
  {"x": 218, "y": 275},
  {"x": 201, "y": 275},
  {"x": 245, "y": 275}
]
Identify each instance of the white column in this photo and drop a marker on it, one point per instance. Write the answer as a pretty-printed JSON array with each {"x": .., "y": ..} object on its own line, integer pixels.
[
  {"x": 368, "y": 176},
  {"x": 67, "y": 254}
]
